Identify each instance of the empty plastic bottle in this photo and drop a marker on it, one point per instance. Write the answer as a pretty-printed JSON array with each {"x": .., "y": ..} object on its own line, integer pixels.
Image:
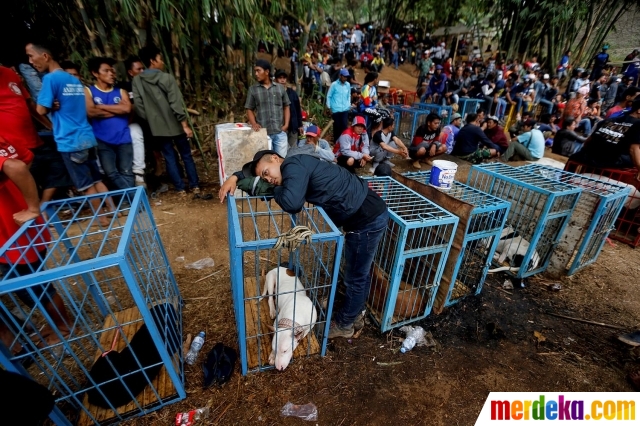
[
  {"x": 413, "y": 336},
  {"x": 408, "y": 344},
  {"x": 196, "y": 345}
]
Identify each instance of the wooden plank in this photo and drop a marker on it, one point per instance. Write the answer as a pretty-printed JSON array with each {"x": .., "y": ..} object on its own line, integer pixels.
[
  {"x": 162, "y": 383},
  {"x": 257, "y": 321}
]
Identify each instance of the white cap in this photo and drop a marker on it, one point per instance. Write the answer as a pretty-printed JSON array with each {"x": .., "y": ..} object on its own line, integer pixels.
[
  {"x": 384, "y": 83},
  {"x": 426, "y": 51},
  {"x": 618, "y": 80},
  {"x": 442, "y": 44},
  {"x": 545, "y": 77}
]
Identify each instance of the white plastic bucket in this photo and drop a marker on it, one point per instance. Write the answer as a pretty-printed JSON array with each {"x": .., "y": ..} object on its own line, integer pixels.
[{"x": 443, "y": 173}]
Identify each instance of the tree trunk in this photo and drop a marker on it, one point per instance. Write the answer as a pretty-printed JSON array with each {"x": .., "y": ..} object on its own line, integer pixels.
[
  {"x": 197, "y": 52},
  {"x": 89, "y": 28}
]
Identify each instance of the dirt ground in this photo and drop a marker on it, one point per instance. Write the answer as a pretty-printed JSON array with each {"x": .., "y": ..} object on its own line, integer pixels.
[{"x": 484, "y": 343}]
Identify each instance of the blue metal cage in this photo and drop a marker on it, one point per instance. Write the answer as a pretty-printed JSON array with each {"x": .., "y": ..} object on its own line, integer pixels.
[
  {"x": 411, "y": 256},
  {"x": 254, "y": 224},
  {"x": 88, "y": 282},
  {"x": 540, "y": 211},
  {"x": 407, "y": 123},
  {"x": 480, "y": 231},
  {"x": 468, "y": 106},
  {"x": 443, "y": 111},
  {"x": 594, "y": 217}
]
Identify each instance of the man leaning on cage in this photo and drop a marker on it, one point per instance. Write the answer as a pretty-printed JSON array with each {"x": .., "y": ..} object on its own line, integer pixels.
[
  {"x": 349, "y": 203},
  {"x": 19, "y": 204}
]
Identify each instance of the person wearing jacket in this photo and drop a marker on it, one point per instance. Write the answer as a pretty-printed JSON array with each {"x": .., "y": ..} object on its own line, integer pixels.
[
  {"x": 158, "y": 101},
  {"x": 348, "y": 202},
  {"x": 436, "y": 88},
  {"x": 315, "y": 146},
  {"x": 352, "y": 147},
  {"x": 339, "y": 102},
  {"x": 296, "y": 127}
]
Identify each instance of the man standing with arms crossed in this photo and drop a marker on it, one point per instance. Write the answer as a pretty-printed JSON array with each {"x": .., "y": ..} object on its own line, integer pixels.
[
  {"x": 71, "y": 130},
  {"x": 267, "y": 106}
]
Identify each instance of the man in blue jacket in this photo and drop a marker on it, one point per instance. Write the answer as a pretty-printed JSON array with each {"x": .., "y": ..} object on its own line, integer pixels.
[
  {"x": 349, "y": 203},
  {"x": 339, "y": 102}
]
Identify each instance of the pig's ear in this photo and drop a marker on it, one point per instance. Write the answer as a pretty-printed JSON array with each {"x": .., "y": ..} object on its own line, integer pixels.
[{"x": 272, "y": 328}]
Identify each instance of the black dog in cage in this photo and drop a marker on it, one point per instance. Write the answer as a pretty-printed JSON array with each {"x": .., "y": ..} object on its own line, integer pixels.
[{"x": 118, "y": 376}]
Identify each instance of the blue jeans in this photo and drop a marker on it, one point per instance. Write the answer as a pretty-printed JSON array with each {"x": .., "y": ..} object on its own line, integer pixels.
[
  {"x": 547, "y": 104},
  {"x": 359, "y": 249},
  {"x": 173, "y": 168},
  {"x": 280, "y": 143},
  {"x": 585, "y": 125},
  {"x": 117, "y": 163},
  {"x": 394, "y": 59},
  {"x": 501, "y": 108}
]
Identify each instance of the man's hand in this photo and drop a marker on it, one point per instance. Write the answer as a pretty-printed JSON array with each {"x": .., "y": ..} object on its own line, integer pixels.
[
  {"x": 228, "y": 187},
  {"x": 432, "y": 151},
  {"x": 362, "y": 162},
  {"x": 188, "y": 131},
  {"x": 256, "y": 127},
  {"x": 24, "y": 216},
  {"x": 301, "y": 130},
  {"x": 284, "y": 128},
  {"x": 367, "y": 157},
  {"x": 56, "y": 105}
]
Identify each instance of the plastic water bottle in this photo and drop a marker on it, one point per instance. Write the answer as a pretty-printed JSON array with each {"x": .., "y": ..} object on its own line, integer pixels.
[
  {"x": 408, "y": 344},
  {"x": 414, "y": 335},
  {"x": 196, "y": 345}
]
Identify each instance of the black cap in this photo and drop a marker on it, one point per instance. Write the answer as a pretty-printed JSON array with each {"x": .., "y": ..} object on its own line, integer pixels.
[{"x": 248, "y": 169}]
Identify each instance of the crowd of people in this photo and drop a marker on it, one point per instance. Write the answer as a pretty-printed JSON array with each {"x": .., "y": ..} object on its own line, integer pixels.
[
  {"x": 525, "y": 106},
  {"x": 104, "y": 133}
]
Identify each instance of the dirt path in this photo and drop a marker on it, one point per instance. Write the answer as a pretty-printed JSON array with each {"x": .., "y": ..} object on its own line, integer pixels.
[{"x": 485, "y": 343}]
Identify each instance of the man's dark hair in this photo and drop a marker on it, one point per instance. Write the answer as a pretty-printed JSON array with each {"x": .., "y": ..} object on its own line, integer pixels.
[
  {"x": 526, "y": 114},
  {"x": 128, "y": 63},
  {"x": 387, "y": 121},
  {"x": 370, "y": 77},
  {"x": 568, "y": 121},
  {"x": 281, "y": 73},
  {"x": 42, "y": 47},
  {"x": 95, "y": 63},
  {"x": 148, "y": 53},
  {"x": 545, "y": 118},
  {"x": 481, "y": 111},
  {"x": 68, "y": 65},
  {"x": 630, "y": 91},
  {"x": 431, "y": 117},
  {"x": 471, "y": 117}
]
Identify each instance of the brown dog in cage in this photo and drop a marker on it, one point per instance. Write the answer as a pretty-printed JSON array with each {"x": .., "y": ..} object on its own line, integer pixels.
[{"x": 411, "y": 301}]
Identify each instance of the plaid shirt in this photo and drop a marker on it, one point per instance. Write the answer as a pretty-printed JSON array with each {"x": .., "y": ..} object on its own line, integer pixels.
[{"x": 268, "y": 106}]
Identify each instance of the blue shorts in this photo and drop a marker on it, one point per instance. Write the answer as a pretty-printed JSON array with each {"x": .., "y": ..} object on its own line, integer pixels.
[{"x": 83, "y": 168}]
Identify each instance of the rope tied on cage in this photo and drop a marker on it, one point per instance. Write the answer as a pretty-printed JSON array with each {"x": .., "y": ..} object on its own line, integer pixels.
[{"x": 293, "y": 238}]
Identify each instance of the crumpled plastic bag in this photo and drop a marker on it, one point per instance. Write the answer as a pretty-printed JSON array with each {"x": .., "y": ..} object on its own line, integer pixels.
[
  {"x": 207, "y": 262},
  {"x": 307, "y": 412}
]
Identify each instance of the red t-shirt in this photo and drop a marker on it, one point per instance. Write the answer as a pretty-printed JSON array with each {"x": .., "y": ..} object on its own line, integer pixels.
[
  {"x": 15, "y": 119},
  {"x": 12, "y": 201}
]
